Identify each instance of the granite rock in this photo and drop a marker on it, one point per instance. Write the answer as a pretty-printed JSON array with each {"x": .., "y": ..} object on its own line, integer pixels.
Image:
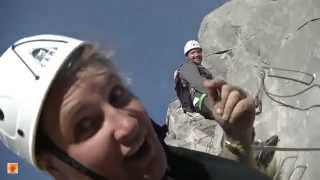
[{"x": 271, "y": 48}]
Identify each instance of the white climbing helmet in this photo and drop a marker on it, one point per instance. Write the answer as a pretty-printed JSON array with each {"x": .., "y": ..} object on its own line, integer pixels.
[
  {"x": 191, "y": 44},
  {"x": 27, "y": 69}
]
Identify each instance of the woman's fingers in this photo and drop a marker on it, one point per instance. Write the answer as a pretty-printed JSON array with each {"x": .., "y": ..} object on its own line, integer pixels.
[
  {"x": 231, "y": 100},
  {"x": 214, "y": 88},
  {"x": 243, "y": 112},
  {"x": 230, "y": 103}
]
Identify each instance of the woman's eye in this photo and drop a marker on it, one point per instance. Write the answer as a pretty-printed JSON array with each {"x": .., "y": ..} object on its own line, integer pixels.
[
  {"x": 119, "y": 96},
  {"x": 86, "y": 128}
]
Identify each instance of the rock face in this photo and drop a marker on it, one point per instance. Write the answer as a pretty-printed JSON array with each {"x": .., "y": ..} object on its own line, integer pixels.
[
  {"x": 271, "y": 48},
  {"x": 192, "y": 131}
]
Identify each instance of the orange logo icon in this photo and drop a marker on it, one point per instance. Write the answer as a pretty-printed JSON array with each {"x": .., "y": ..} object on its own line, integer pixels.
[{"x": 12, "y": 168}]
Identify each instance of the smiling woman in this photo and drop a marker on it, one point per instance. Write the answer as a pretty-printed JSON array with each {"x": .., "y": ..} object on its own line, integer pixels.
[
  {"x": 79, "y": 120},
  {"x": 95, "y": 109}
]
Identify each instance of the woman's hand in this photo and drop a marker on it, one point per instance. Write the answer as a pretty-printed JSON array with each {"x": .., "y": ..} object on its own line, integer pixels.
[{"x": 233, "y": 109}]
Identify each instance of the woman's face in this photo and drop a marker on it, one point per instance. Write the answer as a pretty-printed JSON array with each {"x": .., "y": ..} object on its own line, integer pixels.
[{"x": 97, "y": 122}]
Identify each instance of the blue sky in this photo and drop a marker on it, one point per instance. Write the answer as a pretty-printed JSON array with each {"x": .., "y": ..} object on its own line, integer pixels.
[{"x": 147, "y": 36}]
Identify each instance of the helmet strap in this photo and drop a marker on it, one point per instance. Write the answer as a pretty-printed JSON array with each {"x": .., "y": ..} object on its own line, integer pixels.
[{"x": 61, "y": 155}]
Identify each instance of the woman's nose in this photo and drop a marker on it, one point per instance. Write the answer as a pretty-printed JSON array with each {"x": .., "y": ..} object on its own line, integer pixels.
[{"x": 126, "y": 129}]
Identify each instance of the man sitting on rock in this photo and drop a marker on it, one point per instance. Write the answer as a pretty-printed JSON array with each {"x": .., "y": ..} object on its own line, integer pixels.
[{"x": 191, "y": 75}]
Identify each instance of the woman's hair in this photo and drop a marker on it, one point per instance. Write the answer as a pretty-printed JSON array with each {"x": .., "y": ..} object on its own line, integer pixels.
[{"x": 82, "y": 57}]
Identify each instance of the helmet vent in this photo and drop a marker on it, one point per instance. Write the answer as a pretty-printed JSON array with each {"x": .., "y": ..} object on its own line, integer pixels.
[
  {"x": 1, "y": 115},
  {"x": 20, "y": 132}
]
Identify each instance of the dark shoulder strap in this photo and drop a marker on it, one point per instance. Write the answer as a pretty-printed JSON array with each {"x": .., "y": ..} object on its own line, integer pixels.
[{"x": 204, "y": 72}]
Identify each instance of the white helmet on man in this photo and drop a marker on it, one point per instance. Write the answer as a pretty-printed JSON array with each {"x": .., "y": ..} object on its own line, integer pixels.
[
  {"x": 27, "y": 70},
  {"x": 191, "y": 44}
]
